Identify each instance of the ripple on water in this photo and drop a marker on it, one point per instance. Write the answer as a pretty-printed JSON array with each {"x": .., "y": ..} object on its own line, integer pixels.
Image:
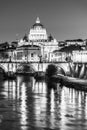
[{"x": 26, "y": 105}]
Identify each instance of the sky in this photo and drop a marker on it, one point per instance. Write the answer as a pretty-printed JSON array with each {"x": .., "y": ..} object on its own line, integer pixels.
[{"x": 63, "y": 19}]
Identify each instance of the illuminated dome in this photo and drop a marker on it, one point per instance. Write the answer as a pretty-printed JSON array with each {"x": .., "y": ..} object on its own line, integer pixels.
[{"x": 37, "y": 32}]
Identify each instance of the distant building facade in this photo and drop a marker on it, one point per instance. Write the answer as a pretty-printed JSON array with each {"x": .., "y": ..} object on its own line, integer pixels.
[
  {"x": 27, "y": 53},
  {"x": 72, "y": 42},
  {"x": 57, "y": 56},
  {"x": 79, "y": 56}
]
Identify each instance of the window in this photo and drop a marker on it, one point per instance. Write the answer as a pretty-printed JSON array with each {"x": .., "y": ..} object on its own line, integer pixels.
[
  {"x": 32, "y": 55},
  {"x": 19, "y": 55}
]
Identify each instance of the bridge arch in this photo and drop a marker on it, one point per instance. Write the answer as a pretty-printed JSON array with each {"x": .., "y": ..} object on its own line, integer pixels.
[
  {"x": 53, "y": 69},
  {"x": 2, "y": 69},
  {"x": 26, "y": 68}
]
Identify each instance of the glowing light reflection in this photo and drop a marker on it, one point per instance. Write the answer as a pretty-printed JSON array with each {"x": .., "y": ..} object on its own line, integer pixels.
[
  {"x": 23, "y": 107},
  {"x": 40, "y": 103}
]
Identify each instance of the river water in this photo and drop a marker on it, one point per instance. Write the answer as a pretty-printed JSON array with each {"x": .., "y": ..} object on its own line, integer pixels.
[{"x": 29, "y": 105}]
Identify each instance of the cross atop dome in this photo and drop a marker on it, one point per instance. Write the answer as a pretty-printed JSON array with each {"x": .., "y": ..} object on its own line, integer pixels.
[{"x": 37, "y": 20}]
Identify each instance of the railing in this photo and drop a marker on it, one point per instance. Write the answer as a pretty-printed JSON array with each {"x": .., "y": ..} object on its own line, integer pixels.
[
  {"x": 18, "y": 61},
  {"x": 45, "y": 61}
]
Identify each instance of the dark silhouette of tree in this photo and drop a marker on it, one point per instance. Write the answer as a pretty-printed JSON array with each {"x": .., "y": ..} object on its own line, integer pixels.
[
  {"x": 51, "y": 70},
  {"x": 70, "y": 48}
]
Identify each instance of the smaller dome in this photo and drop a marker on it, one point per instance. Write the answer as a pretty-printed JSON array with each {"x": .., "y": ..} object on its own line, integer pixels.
[{"x": 25, "y": 38}]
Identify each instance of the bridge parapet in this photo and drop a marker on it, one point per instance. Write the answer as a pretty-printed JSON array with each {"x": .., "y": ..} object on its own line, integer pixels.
[
  {"x": 39, "y": 66},
  {"x": 43, "y": 66}
]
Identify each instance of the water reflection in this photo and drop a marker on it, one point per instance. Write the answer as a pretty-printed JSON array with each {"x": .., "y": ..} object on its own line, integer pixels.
[
  {"x": 27, "y": 104},
  {"x": 73, "y": 110}
]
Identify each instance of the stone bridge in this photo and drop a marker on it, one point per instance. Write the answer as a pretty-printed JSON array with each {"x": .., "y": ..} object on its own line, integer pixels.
[
  {"x": 35, "y": 66},
  {"x": 73, "y": 69}
]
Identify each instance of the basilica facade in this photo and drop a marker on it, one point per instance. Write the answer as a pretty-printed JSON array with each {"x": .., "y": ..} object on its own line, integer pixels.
[{"x": 37, "y": 43}]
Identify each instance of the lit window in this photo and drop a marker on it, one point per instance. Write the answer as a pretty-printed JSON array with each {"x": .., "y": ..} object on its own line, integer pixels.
[{"x": 32, "y": 54}]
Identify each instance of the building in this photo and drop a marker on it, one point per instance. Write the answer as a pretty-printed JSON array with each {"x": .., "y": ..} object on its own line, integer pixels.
[
  {"x": 57, "y": 56},
  {"x": 38, "y": 37},
  {"x": 27, "y": 53},
  {"x": 79, "y": 56},
  {"x": 6, "y": 51},
  {"x": 74, "y": 42}
]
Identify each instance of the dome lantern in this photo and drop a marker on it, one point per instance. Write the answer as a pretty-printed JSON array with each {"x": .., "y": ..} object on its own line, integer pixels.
[{"x": 37, "y": 20}]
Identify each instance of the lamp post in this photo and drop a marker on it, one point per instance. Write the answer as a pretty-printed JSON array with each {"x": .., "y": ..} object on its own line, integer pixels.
[
  {"x": 10, "y": 56},
  {"x": 40, "y": 57}
]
